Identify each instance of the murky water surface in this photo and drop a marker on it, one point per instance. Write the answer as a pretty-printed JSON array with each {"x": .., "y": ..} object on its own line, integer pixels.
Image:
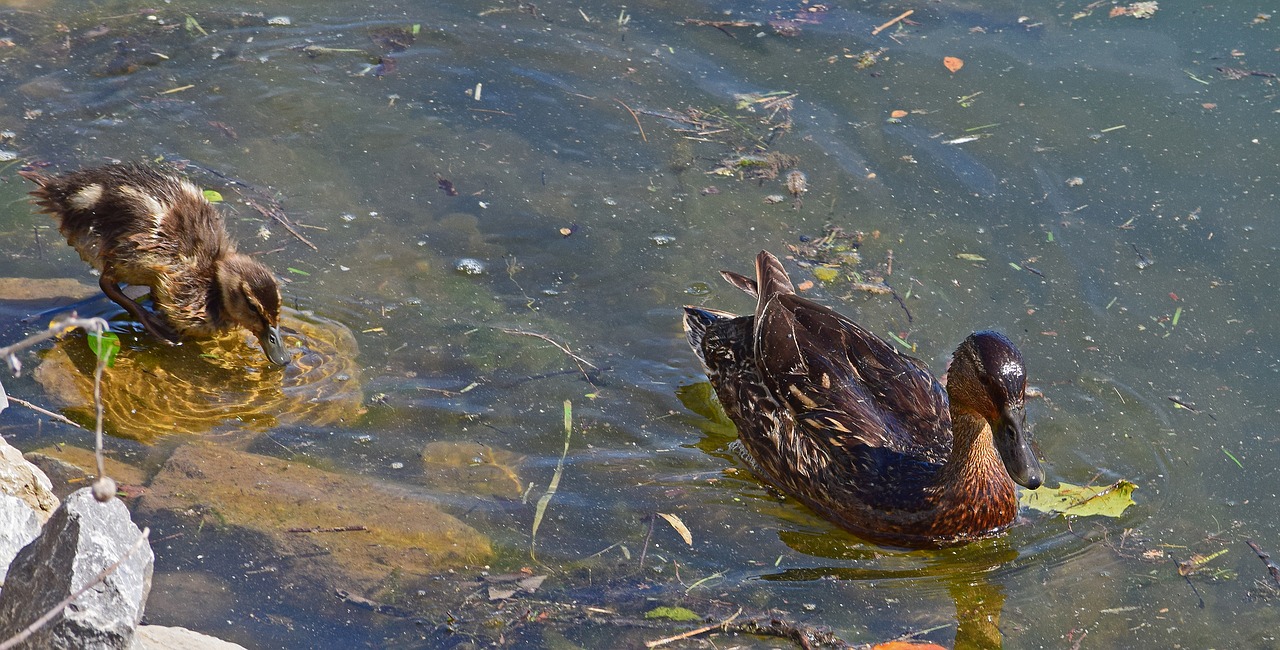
[{"x": 473, "y": 172}]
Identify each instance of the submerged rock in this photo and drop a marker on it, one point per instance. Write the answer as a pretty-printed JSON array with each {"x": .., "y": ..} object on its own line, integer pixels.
[
  {"x": 82, "y": 538},
  {"x": 70, "y": 468},
  {"x": 471, "y": 468},
  {"x": 44, "y": 288},
  {"x": 295, "y": 509},
  {"x": 198, "y": 599}
]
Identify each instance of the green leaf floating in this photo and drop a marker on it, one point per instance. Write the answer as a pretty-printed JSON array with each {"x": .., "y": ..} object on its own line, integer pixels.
[
  {"x": 673, "y": 613},
  {"x": 213, "y": 196},
  {"x": 105, "y": 346},
  {"x": 1080, "y": 501}
]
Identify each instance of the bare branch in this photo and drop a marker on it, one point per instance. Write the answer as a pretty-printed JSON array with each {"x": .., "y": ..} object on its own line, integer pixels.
[
  {"x": 44, "y": 411},
  {"x": 57, "y": 327},
  {"x": 563, "y": 348}
]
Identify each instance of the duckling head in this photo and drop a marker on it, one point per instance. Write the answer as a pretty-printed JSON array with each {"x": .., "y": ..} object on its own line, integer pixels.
[
  {"x": 250, "y": 298},
  {"x": 987, "y": 376}
]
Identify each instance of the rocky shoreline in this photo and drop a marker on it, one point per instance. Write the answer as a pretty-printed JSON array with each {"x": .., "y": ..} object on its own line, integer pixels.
[{"x": 49, "y": 550}]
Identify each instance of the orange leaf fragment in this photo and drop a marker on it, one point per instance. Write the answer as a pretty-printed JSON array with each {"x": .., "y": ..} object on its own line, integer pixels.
[
  {"x": 953, "y": 63},
  {"x": 898, "y": 114},
  {"x": 805, "y": 286},
  {"x": 906, "y": 645}
]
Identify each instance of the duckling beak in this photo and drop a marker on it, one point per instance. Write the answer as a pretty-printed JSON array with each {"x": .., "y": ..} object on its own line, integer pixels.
[
  {"x": 273, "y": 345},
  {"x": 1015, "y": 449}
]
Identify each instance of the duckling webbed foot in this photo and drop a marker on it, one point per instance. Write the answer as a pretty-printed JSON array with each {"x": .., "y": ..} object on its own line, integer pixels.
[{"x": 154, "y": 325}]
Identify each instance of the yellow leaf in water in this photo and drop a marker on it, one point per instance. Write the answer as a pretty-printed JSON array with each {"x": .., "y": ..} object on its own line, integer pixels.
[
  {"x": 679, "y": 526},
  {"x": 972, "y": 257},
  {"x": 825, "y": 274},
  {"x": 673, "y": 613},
  {"x": 1080, "y": 501}
]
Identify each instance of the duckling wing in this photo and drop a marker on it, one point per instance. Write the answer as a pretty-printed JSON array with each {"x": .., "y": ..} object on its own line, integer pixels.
[{"x": 844, "y": 383}]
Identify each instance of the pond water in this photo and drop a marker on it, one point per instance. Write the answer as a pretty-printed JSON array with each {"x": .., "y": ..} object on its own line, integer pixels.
[{"x": 1094, "y": 186}]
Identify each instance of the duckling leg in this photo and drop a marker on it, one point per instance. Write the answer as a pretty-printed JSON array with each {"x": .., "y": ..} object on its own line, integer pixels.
[{"x": 157, "y": 328}]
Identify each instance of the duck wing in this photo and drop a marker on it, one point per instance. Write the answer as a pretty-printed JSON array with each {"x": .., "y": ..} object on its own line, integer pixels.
[{"x": 843, "y": 382}]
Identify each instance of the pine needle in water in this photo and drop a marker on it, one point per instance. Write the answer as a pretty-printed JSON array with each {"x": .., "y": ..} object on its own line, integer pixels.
[{"x": 545, "y": 500}]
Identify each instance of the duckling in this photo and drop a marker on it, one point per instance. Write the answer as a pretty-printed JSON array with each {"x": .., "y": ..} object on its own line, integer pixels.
[
  {"x": 834, "y": 416},
  {"x": 142, "y": 226}
]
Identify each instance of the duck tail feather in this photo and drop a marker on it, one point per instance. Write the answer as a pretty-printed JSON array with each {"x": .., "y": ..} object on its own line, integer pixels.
[
  {"x": 771, "y": 277},
  {"x": 742, "y": 282}
]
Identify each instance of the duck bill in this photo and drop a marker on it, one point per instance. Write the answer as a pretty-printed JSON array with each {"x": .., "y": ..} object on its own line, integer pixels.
[
  {"x": 1015, "y": 449},
  {"x": 273, "y": 345}
]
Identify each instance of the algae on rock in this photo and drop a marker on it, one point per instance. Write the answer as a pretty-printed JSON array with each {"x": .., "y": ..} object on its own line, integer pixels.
[{"x": 403, "y": 533}]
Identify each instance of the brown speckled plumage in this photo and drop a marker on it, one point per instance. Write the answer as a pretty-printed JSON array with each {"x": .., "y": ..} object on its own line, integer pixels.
[
  {"x": 141, "y": 226},
  {"x": 835, "y": 417}
]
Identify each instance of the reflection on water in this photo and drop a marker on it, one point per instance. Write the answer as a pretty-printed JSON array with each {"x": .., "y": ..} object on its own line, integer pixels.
[
  {"x": 201, "y": 386},
  {"x": 524, "y": 111}
]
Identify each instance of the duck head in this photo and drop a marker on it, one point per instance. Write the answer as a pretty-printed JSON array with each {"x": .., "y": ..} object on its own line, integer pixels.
[
  {"x": 250, "y": 297},
  {"x": 987, "y": 376}
]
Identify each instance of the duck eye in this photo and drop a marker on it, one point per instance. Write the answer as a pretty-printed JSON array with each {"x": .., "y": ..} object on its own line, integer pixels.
[{"x": 995, "y": 387}]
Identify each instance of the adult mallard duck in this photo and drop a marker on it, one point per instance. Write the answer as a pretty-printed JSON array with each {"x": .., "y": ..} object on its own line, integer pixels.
[
  {"x": 835, "y": 417},
  {"x": 141, "y": 226}
]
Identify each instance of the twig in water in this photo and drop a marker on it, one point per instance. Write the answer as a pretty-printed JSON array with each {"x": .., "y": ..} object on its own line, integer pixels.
[
  {"x": 279, "y": 215},
  {"x": 1262, "y": 555},
  {"x": 54, "y": 612},
  {"x": 563, "y": 348},
  {"x": 634, "y": 117},
  {"x": 43, "y": 411},
  {"x": 334, "y": 529},
  {"x": 722, "y": 25},
  {"x": 901, "y": 303},
  {"x": 644, "y": 550},
  {"x": 893, "y": 22},
  {"x": 804, "y": 636},
  {"x": 693, "y": 632}
]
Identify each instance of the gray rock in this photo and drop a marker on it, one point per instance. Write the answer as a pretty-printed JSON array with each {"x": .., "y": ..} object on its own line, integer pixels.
[
  {"x": 26, "y": 481},
  {"x": 82, "y": 538},
  {"x": 18, "y": 526},
  {"x": 159, "y": 637}
]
